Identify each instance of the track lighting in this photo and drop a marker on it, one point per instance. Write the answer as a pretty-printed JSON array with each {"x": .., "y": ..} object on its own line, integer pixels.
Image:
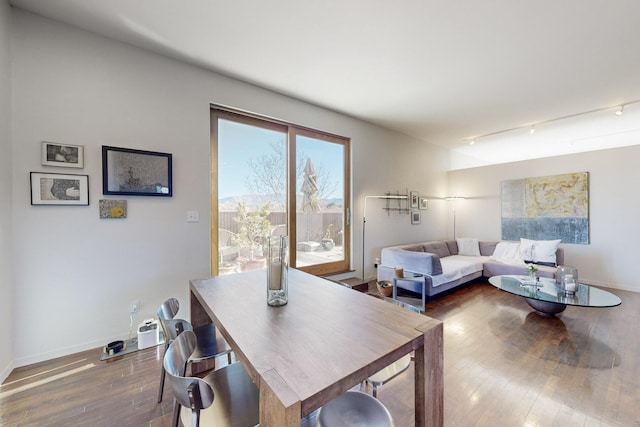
[{"x": 532, "y": 128}]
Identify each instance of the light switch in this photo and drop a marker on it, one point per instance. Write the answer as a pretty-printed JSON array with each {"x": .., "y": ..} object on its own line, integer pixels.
[{"x": 193, "y": 216}]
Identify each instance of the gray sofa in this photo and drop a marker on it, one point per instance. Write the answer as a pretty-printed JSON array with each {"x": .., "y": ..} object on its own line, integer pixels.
[{"x": 443, "y": 269}]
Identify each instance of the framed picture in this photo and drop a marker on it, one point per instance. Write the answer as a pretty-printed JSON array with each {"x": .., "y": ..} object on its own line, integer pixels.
[
  {"x": 112, "y": 208},
  {"x": 136, "y": 172},
  {"x": 415, "y": 217},
  {"x": 63, "y": 155},
  {"x": 424, "y": 203},
  {"x": 413, "y": 199},
  {"x": 59, "y": 189}
]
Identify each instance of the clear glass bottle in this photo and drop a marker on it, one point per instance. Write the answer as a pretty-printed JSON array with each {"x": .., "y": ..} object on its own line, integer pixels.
[{"x": 277, "y": 270}]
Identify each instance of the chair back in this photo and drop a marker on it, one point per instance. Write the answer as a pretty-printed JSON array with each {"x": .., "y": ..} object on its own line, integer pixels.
[
  {"x": 190, "y": 392},
  {"x": 174, "y": 327},
  {"x": 169, "y": 309}
]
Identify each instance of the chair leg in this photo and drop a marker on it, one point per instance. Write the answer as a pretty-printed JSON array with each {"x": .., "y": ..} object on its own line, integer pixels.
[
  {"x": 374, "y": 391},
  {"x": 162, "y": 374},
  {"x": 176, "y": 413},
  {"x": 195, "y": 418},
  {"x": 161, "y": 390}
]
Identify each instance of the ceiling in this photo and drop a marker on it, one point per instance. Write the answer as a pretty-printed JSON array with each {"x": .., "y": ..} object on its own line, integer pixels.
[{"x": 441, "y": 71}]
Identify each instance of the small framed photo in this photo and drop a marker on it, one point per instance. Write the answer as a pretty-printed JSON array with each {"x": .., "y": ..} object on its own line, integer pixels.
[
  {"x": 132, "y": 172},
  {"x": 415, "y": 217},
  {"x": 424, "y": 203},
  {"x": 62, "y": 155},
  {"x": 116, "y": 209},
  {"x": 413, "y": 199},
  {"x": 59, "y": 189}
]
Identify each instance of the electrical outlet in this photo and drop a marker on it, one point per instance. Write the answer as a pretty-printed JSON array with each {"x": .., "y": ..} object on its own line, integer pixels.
[{"x": 133, "y": 308}]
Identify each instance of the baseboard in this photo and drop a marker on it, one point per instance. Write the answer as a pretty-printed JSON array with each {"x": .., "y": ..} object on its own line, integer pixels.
[
  {"x": 6, "y": 371},
  {"x": 41, "y": 357}
]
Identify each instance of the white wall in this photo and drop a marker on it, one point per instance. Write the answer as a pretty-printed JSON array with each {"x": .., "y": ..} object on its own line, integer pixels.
[
  {"x": 611, "y": 258},
  {"x": 6, "y": 335},
  {"x": 75, "y": 275}
]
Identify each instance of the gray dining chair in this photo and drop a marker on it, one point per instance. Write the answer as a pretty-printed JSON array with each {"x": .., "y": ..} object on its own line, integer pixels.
[
  {"x": 399, "y": 366},
  {"x": 210, "y": 344},
  {"x": 354, "y": 408},
  {"x": 226, "y": 397}
]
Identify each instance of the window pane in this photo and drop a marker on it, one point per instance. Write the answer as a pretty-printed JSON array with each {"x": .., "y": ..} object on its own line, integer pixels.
[
  {"x": 252, "y": 164},
  {"x": 263, "y": 189},
  {"x": 319, "y": 201}
]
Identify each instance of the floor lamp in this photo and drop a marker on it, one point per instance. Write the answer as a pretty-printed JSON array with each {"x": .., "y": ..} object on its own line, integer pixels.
[
  {"x": 364, "y": 215},
  {"x": 453, "y": 199}
]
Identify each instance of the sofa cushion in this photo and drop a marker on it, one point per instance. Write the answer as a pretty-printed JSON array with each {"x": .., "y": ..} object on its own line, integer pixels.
[
  {"x": 508, "y": 252},
  {"x": 468, "y": 246},
  {"x": 453, "y": 247},
  {"x": 436, "y": 247},
  {"x": 487, "y": 248},
  {"x": 414, "y": 247},
  {"x": 539, "y": 251}
]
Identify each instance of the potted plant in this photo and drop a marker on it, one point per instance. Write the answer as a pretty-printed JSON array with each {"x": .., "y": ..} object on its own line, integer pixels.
[
  {"x": 385, "y": 287},
  {"x": 327, "y": 241},
  {"x": 253, "y": 228},
  {"x": 532, "y": 270}
]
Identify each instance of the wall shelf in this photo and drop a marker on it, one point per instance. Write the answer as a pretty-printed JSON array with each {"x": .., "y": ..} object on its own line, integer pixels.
[{"x": 397, "y": 202}]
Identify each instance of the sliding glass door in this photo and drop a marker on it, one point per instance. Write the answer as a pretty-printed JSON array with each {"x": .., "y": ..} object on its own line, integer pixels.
[{"x": 271, "y": 178}]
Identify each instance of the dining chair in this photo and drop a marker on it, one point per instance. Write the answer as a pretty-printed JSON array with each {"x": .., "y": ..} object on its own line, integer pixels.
[
  {"x": 225, "y": 397},
  {"x": 210, "y": 344},
  {"x": 354, "y": 408},
  {"x": 399, "y": 366}
]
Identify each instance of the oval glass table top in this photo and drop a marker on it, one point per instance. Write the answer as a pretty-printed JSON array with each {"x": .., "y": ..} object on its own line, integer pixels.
[{"x": 546, "y": 290}]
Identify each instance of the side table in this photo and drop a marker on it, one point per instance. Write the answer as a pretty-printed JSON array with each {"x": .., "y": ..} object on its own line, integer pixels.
[{"x": 411, "y": 277}]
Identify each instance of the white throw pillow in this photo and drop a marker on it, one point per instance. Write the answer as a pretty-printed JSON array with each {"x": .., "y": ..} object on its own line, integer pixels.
[
  {"x": 507, "y": 252},
  {"x": 468, "y": 246},
  {"x": 539, "y": 251}
]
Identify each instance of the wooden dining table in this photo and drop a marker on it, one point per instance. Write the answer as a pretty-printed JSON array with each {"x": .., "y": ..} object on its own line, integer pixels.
[{"x": 325, "y": 340}]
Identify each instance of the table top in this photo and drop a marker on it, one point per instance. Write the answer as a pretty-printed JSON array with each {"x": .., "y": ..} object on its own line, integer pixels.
[
  {"x": 547, "y": 290},
  {"x": 327, "y": 339}
]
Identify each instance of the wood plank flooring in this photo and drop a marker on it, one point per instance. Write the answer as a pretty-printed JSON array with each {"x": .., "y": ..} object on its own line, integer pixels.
[{"x": 504, "y": 366}]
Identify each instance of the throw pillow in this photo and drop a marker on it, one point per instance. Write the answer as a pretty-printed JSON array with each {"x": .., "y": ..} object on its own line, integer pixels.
[
  {"x": 507, "y": 252},
  {"x": 539, "y": 251},
  {"x": 468, "y": 246}
]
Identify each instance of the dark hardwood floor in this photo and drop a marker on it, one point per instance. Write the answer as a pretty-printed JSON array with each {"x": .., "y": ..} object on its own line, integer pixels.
[{"x": 504, "y": 366}]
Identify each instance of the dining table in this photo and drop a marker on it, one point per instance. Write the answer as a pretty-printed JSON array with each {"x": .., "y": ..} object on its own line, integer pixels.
[{"x": 327, "y": 339}]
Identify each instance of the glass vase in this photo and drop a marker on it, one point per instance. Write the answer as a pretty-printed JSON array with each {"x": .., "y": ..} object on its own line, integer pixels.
[
  {"x": 277, "y": 271},
  {"x": 563, "y": 270}
]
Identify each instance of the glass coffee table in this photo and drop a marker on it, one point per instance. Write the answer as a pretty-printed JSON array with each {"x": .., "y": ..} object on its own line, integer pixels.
[{"x": 548, "y": 299}]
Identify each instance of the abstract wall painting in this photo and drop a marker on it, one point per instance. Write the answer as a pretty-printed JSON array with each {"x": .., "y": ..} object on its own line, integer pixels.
[{"x": 547, "y": 208}]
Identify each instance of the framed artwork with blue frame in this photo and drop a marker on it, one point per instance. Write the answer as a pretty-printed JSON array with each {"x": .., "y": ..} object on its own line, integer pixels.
[{"x": 131, "y": 172}]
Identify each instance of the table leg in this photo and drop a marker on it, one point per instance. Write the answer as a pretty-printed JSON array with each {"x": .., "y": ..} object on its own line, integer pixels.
[
  {"x": 273, "y": 411},
  {"x": 200, "y": 317},
  {"x": 429, "y": 379}
]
